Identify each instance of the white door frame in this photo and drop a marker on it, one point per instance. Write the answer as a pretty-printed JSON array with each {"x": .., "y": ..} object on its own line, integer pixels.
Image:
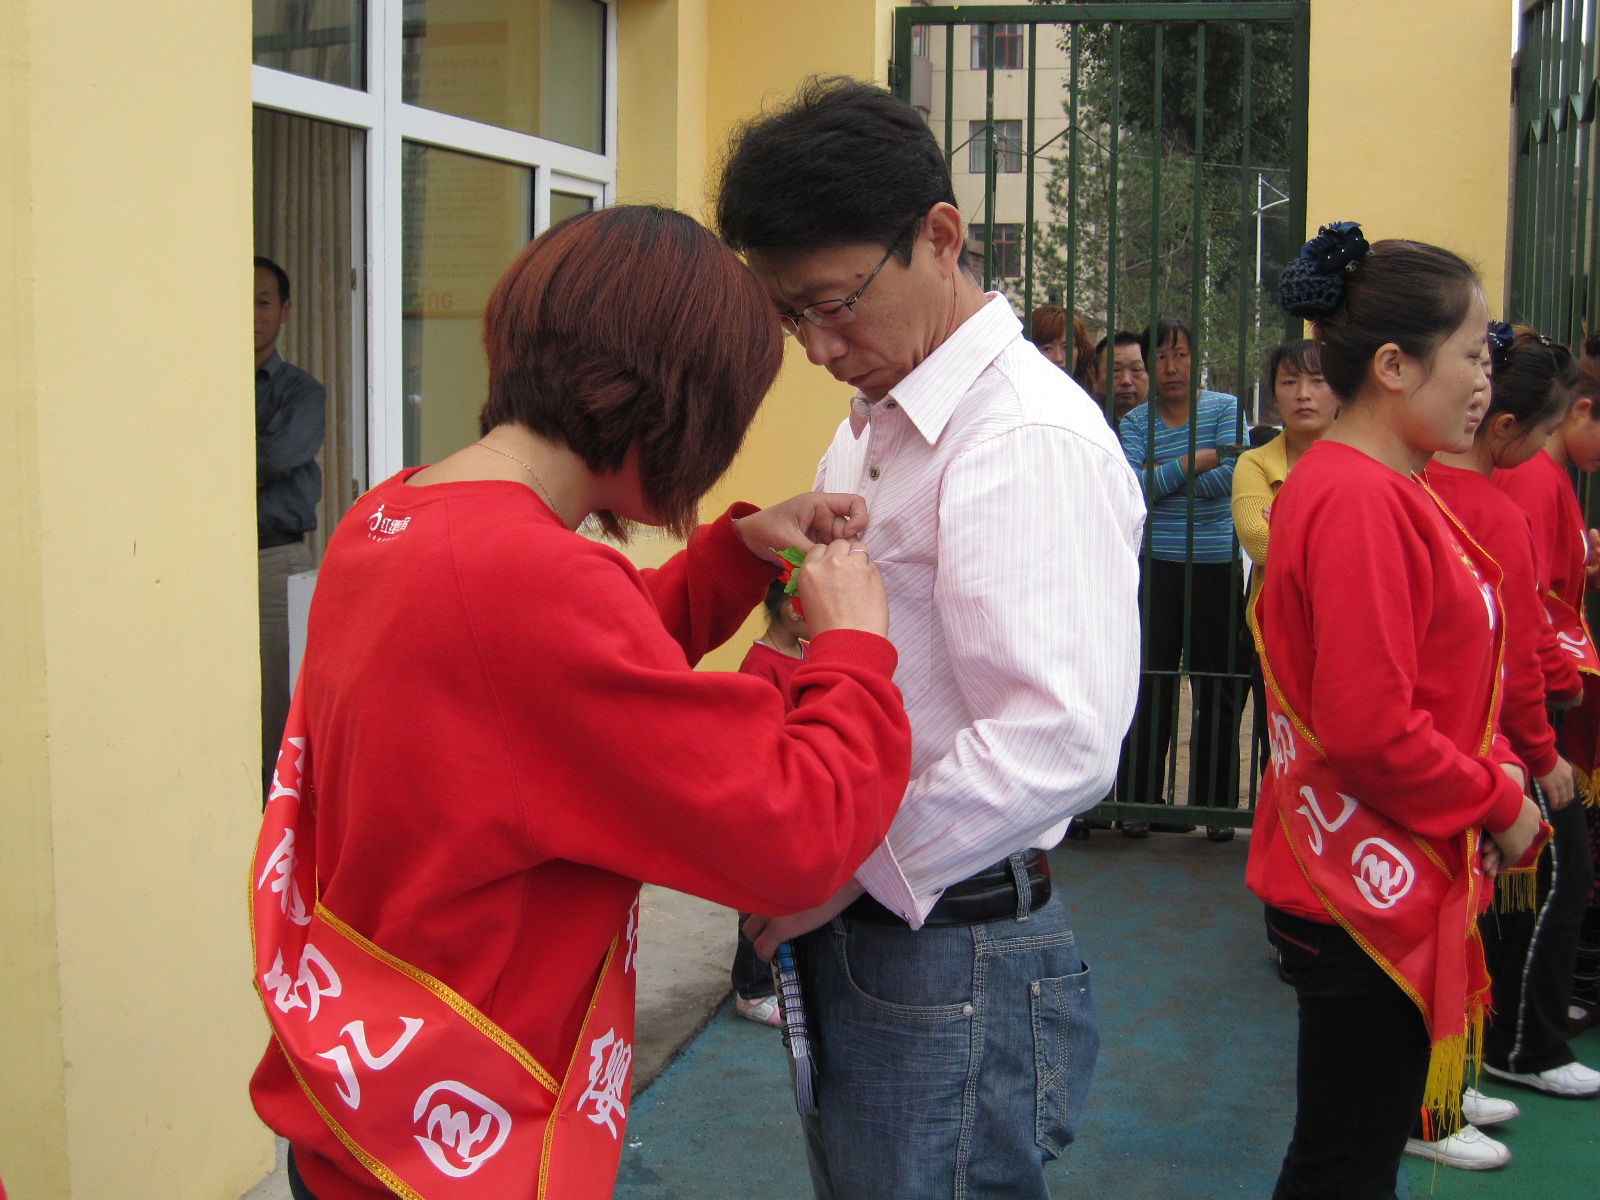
[{"x": 387, "y": 123}]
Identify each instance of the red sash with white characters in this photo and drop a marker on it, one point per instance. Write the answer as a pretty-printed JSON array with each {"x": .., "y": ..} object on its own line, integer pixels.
[
  {"x": 1572, "y": 633},
  {"x": 424, "y": 1090},
  {"x": 1411, "y": 902}
]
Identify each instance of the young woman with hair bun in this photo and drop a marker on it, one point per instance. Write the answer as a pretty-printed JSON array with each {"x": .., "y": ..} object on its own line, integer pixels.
[
  {"x": 1531, "y": 389},
  {"x": 1391, "y": 798},
  {"x": 1534, "y": 954}
]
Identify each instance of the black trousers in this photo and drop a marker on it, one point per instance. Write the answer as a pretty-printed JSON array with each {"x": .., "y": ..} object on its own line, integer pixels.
[
  {"x": 1211, "y": 641},
  {"x": 752, "y": 978},
  {"x": 1531, "y": 954},
  {"x": 1361, "y": 1069}
]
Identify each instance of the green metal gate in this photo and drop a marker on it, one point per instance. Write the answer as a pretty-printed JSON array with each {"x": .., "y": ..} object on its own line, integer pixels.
[
  {"x": 1132, "y": 161},
  {"x": 1555, "y": 243},
  {"x": 1555, "y": 226}
]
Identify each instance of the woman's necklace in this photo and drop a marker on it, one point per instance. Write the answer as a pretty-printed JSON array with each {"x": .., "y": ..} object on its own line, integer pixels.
[{"x": 532, "y": 474}]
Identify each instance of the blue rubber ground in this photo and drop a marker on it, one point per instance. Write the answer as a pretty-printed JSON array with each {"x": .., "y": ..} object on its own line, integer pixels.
[{"x": 1193, "y": 1096}]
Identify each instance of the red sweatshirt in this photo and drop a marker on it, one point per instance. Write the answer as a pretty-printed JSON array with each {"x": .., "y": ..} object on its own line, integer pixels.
[
  {"x": 1498, "y": 525},
  {"x": 776, "y": 667},
  {"x": 507, "y": 737},
  {"x": 1380, "y": 638},
  {"x": 1543, "y": 490}
]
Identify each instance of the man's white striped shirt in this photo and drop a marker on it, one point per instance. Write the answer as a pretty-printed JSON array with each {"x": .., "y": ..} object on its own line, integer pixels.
[{"x": 1007, "y": 525}]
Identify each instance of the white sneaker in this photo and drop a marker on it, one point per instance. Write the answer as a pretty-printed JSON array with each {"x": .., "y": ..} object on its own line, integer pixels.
[
  {"x": 1468, "y": 1150},
  {"x": 1480, "y": 1110},
  {"x": 1574, "y": 1080},
  {"x": 763, "y": 1011}
]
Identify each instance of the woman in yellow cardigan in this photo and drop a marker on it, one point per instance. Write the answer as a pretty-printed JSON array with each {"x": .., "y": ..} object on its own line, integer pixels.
[{"x": 1307, "y": 407}]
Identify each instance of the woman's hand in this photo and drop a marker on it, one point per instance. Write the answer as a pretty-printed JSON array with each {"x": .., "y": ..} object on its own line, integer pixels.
[
  {"x": 1559, "y": 786},
  {"x": 768, "y": 933},
  {"x": 840, "y": 588},
  {"x": 802, "y": 521},
  {"x": 1205, "y": 460},
  {"x": 1490, "y": 858},
  {"x": 1591, "y": 561},
  {"x": 1514, "y": 842}
]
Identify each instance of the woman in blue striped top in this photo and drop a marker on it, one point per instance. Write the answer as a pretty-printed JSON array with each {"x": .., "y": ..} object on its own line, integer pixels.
[{"x": 1155, "y": 438}]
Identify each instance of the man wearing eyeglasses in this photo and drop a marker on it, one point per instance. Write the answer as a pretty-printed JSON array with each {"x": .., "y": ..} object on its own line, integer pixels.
[{"x": 952, "y": 1015}]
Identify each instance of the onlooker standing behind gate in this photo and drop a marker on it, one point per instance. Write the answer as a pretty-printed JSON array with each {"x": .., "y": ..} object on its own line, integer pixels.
[
  {"x": 1200, "y": 613},
  {"x": 290, "y": 420}
]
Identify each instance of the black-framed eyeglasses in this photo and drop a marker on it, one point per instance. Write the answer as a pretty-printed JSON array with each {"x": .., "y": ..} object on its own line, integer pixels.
[{"x": 840, "y": 312}]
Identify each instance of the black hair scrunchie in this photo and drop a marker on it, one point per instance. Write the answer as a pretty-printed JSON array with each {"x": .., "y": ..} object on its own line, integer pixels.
[
  {"x": 1501, "y": 337},
  {"x": 1313, "y": 284}
]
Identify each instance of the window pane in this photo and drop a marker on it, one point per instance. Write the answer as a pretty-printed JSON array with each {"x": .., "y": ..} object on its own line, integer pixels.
[
  {"x": 308, "y": 206},
  {"x": 568, "y": 204},
  {"x": 1007, "y": 48},
  {"x": 320, "y": 39},
  {"x": 1008, "y": 147},
  {"x": 464, "y": 220},
  {"x": 535, "y": 66}
]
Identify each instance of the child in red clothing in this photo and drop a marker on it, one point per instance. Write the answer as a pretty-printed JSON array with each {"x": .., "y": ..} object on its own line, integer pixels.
[
  {"x": 776, "y": 653},
  {"x": 773, "y": 657},
  {"x": 1532, "y": 976},
  {"x": 1567, "y": 556},
  {"x": 1380, "y": 631}
]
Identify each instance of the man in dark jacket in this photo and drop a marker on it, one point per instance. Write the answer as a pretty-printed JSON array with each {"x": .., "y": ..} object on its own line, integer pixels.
[{"x": 290, "y": 420}]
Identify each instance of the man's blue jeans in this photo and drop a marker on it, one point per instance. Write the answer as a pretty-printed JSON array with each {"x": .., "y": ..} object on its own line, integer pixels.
[{"x": 952, "y": 1062}]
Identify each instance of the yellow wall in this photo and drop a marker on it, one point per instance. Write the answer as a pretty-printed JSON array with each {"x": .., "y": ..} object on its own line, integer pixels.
[
  {"x": 1410, "y": 120},
  {"x": 736, "y": 57},
  {"x": 128, "y": 757}
]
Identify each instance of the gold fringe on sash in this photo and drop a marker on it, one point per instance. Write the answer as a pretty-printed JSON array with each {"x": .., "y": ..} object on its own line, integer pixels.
[
  {"x": 1447, "y": 1072},
  {"x": 1517, "y": 891}
]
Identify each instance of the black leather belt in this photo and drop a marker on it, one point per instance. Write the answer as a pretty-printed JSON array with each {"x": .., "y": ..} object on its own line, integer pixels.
[
  {"x": 990, "y": 895},
  {"x": 270, "y": 541}
]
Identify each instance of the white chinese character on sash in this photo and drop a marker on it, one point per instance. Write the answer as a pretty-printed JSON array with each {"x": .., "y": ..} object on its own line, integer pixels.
[
  {"x": 286, "y": 775},
  {"x": 1315, "y": 816},
  {"x": 610, "y": 1057},
  {"x": 349, "y": 1085},
  {"x": 630, "y": 938},
  {"x": 1282, "y": 743},
  {"x": 282, "y": 863},
  {"x": 312, "y": 965}
]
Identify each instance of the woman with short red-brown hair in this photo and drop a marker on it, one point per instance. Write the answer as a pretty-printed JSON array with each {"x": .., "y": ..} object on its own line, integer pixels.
[{"x": 499, "y": 733}]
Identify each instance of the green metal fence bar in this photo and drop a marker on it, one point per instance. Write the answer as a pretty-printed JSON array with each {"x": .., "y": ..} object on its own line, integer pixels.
[
  {"x": 1198, "y": 338},
  {"x": 1564, "y": 66},
  {"x": 1113, "y": 245},
  {"x": 991, "y": 160},
  {"x": 1092, "y": 36},
  {"x": 1156, "y": 759},
  {"x": 1246, "y": 293},
  {"x": 1249, "y": 310},
  {"x": 949, "y": 95},
  {"x": 1031, "y": 141}
]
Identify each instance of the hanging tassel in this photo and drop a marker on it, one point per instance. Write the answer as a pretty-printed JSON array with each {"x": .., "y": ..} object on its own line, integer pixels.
[
  {"x": 1517, "y": 891},
  {"x": 1447, "y": 1073}
]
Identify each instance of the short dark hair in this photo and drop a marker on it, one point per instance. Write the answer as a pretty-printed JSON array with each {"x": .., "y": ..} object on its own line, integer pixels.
[
  {"x": 278, "y": 273},
  {"x": 1409, "y": 293},
  {"x": 842, "y": 163},
  {"x": 633, "y": 327},
  {"x": 1167, "y": 330},
  {"x": 1122, "y": 337},
  {"x": 1535, "y": 382},
  {"x": 777, "y": 593},
  {"x": 1300, "y": 354},
  {"x": 1591, "y": 345}
]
